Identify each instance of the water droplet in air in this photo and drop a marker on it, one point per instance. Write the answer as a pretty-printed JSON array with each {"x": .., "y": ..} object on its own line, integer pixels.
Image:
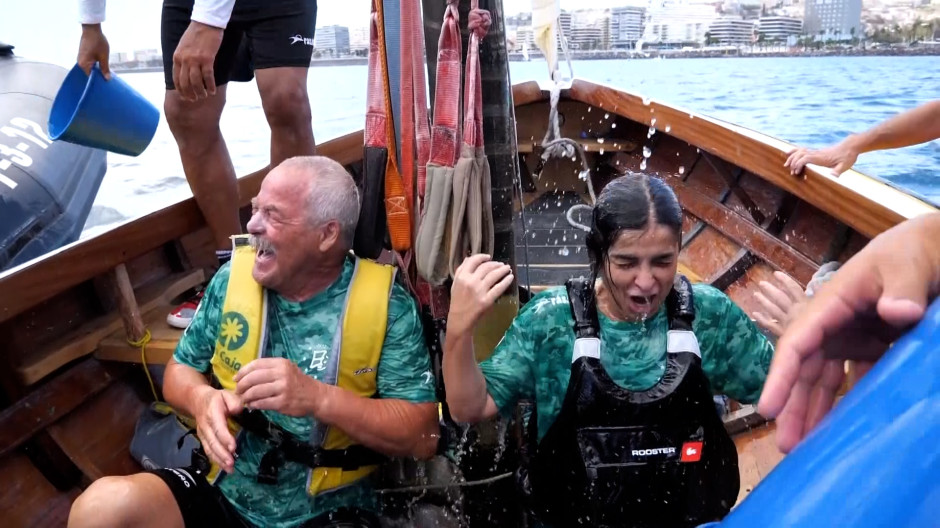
[
  {"x": 606, "y": 116},
  {"x": 647, "y": 152},
  {"x": 646, "y": 101},
  {"x": 600, "y": 140},
  {"x": 613, "y": 125},
  {"x": 589, "y": 109},
  {"x": 643, "y": 164},
  {"x": 651, "y": 132},
  {"x": 563, "y": 251},
  {"x": 668, "y": 128},
  {"x": 681, "y": 169},
  {"x": 602, "y": 151},
  {"x": 653, "y": 122}
]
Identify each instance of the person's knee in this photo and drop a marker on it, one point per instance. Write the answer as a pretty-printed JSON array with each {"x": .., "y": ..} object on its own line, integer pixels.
[
  {"x": 288, "y": 108},
  {"x": 109, "y": 501},
  {"x": 192, "y": 124}
]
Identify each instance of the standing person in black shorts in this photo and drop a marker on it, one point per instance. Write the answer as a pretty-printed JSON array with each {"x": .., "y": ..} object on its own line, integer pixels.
[{"x": 203, "y": 41}]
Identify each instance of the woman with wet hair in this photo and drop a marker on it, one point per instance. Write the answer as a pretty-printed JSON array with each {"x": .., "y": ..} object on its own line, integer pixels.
[{"x": 622, "y": 368}]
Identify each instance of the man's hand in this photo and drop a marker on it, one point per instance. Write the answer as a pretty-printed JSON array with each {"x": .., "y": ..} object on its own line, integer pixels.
[
  {"x": 277, "y": 384},
  {"x": 213, "y": 408},
  {"x": 839, "y": 158},
  {"x": 193, "y": 73},
  {"x": 92, "y": 48},
  {"x": 478, "y": 283},
  {"x": 873, "y": 299},
  {"x": 781, "y": 303}
]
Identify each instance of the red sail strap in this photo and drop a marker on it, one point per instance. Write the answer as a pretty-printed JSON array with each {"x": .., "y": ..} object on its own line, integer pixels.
[
  {"x": 444, "y": 133},
  {"x": 416, "y": 135},
  {"x": 478, "y": 23},
  {"x": 376, "y": 129}
]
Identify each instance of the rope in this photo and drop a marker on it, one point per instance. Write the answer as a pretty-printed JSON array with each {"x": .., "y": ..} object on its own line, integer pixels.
[
  {"x": 142, "y": 345},
  {"x": 437, "y": 487},
  {"x": 556, "y": 146}
]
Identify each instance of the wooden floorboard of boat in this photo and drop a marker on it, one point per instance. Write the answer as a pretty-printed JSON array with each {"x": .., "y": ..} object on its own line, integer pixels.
[
  {"x": 97, "y": 435},
  {"x": 28, "y": 499},
  {"x": 757, "y": 456}
]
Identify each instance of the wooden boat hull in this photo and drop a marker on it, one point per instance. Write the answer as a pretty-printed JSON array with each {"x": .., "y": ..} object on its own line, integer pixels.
[{"x": 71, "y": 388}]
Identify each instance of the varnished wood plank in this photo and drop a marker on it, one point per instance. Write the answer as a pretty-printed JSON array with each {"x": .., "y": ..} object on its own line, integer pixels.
[
  {"x": 27, "y": 285},
  {"x": 97, "y": 435},
  {"x": 51, "y": 402},
  {"x": 747, "y": 233},
  {"x": 757, "y": 456},
  {"x": 588, "y": 144},
  {"x": 527, "y": 92},
  {"x": 85, "y": 339},
  {"x": 28, "y": 499},
  {"x": 865, "y": 204}
]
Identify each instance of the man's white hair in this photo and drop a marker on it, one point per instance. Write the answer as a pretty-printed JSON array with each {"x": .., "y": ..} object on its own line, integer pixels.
[{"x": 333, "y": 195}]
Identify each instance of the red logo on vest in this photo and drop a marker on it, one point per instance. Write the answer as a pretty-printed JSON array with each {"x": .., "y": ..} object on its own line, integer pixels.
[{"x": 691, "y": 452}]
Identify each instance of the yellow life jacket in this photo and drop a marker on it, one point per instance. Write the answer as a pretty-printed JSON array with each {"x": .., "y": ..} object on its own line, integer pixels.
[{"x": 354, "y": 358}]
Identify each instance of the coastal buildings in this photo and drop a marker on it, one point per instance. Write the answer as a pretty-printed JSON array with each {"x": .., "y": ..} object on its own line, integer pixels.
[
  {"x": 626, "y": 26},
  {"x": 675, "y": 23},
  {"x": 732, "y": 31},
  {"x": 780, "y": 29},
  {"x": 332, "y": 40},
  {"x": 833, "y": 19}
]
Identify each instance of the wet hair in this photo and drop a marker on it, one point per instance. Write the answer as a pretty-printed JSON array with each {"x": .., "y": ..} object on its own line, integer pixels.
[
  {"x": 333, "y": 196},
  {"x": 630, "y": 202}
]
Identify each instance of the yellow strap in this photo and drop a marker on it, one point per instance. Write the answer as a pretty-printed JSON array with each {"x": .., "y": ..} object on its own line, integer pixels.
[{"x": 142, "y": 345}]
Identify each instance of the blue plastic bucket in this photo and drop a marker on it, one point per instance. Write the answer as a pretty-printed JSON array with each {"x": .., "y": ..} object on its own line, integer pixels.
[{"x": 91, "y": 111}]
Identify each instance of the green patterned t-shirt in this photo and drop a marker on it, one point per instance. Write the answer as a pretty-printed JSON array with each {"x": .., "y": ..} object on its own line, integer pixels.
[
  {"x": 303, "y": 332},
  {"x": 533, "y": 360}
]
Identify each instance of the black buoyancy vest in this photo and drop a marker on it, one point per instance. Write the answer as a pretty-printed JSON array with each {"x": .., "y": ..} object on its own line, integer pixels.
[{"x": 615, "y": 457}]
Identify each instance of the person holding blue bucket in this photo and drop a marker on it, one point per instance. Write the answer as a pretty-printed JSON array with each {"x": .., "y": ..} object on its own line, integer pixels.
[{"x": 205, "y": 44}]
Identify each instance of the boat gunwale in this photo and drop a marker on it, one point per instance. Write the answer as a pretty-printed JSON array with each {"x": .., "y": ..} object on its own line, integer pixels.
[{"x": 29, "y": 283}]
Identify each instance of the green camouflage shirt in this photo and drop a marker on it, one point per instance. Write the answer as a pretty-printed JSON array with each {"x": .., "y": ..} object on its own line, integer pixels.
[
  {"x": 533, "y": 360},
  {"x": 303, "y": 332}
]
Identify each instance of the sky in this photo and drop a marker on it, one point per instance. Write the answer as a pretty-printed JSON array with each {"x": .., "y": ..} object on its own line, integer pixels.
[{"x": 47, "y": 30}]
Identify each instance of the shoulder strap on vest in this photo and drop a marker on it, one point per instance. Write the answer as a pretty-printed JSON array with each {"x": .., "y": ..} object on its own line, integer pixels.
[
  {"x": 680, "y": 311},
  {"x": 581, "y": 300},
  {"x": 243, "y": 325}
]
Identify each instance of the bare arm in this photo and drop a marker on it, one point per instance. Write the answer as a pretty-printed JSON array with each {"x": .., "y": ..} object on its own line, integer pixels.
[
  {"x": 467, "y": 397},
  {"x": 393, "y": 427},
  {"x": 478, "y": 283},
  {"x": 183, "y": 386},
  {"x": 915, "y": 126}
]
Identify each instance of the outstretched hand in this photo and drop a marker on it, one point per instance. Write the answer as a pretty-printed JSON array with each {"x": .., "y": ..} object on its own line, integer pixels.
[
  {"x": 839, "y": 158},
  {"x": 874, "y": 298},
  {"x": 781, "y": 302},
  {"x": 478, "y": 283}
]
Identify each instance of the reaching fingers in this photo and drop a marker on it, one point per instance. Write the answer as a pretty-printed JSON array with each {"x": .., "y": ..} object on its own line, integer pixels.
[
  {"x": 790, "y": 286},
  {"x": 772, "y": 307},
  {"x": 824, "y": 393},
  {"x": 904, "y": 298},
  {"x": 259, "y": 392},
  {"x": 769, "y": 323}
]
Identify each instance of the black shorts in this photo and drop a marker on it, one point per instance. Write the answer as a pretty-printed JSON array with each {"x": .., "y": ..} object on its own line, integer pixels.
[
  {"x": 202, "y": 504},
  {"x": 260, "y": 34}
]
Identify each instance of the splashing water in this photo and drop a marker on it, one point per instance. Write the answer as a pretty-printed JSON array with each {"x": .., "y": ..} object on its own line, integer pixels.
[
  {"x": 653, "y": 122},
  {"x": 613, "y": 125},
  {"x": 563, "y": 251},
  {"x": 643, "y": 164},
  {"x": 646, "y": 101},
  {"x": 681, "y": 169},
  {"x": 600, "y": 140},
  {"x": 668, "y": 128},
  {"x": 647, "y": 152},
  {"x": 606, "y": 116},
  {"x": 650, "y": 133},
  {"x": 602, "y": 151}
]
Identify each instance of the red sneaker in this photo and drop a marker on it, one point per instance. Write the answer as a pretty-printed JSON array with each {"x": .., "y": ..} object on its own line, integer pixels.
[{"x": 183, "y": 314}]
